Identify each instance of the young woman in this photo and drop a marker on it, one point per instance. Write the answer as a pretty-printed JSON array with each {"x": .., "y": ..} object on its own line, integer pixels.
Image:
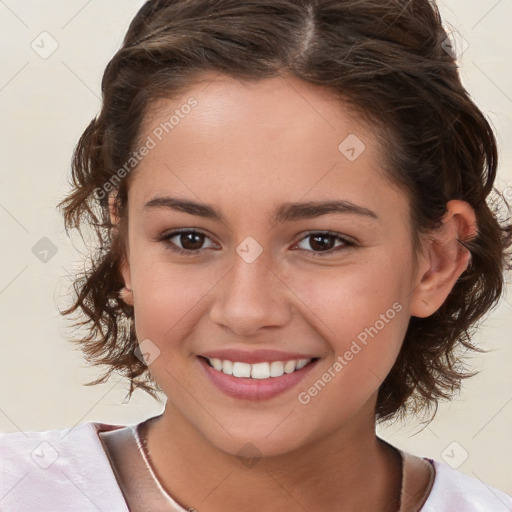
[{"x": 294, "y": 241}]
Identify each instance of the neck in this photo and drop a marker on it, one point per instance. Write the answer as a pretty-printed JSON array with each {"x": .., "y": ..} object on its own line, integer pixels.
[{"x": 351, "y": 470}]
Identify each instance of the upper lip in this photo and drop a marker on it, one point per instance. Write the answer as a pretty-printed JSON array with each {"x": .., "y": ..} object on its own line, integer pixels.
[{"x": 254, "y": 356}]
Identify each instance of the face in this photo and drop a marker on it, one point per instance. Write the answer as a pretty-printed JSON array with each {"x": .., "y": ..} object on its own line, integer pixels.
[{"x": 267, "y": 274}]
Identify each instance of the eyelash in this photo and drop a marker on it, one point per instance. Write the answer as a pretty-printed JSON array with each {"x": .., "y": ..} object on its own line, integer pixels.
[{"x": 315, "y": 254}]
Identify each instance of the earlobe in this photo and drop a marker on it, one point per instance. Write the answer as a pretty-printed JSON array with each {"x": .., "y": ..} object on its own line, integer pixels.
[
  {"x": 112, "y": 208},
  {"x": 125, "y": 293},
  {"x": 444, "y": 259}
]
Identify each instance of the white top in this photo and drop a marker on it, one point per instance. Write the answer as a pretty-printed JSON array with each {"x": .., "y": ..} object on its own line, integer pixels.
[{"x": 68, "y": 470}]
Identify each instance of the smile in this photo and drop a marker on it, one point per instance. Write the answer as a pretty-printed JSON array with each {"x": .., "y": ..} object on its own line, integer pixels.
[
  {"x": 257, "y": 380},
  {"x": 263, "y": 370}
]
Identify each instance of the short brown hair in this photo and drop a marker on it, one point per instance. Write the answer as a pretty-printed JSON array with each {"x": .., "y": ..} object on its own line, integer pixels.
[{"x": 383, "y": 58}]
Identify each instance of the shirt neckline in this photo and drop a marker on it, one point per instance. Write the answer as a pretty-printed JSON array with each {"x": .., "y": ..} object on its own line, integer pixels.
[{"x": 128, "y": 455}]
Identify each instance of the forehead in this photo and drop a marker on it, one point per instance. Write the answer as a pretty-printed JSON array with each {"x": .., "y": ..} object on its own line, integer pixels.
[{"x": 256, "y": 144}]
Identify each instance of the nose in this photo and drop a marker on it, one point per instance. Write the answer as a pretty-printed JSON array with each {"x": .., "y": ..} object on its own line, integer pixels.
[{"x": 250, "y": 297}]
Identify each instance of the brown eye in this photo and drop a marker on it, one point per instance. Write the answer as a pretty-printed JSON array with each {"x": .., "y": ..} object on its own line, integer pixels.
[
  {"x": 322, "y": 242},
  {"x": 185, "y": 241},
  {"x": 325, "y": 242},
  {"x": 191, "y": 240}
]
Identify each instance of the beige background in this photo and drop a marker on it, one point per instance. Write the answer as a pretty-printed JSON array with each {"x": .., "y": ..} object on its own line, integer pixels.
[{"x": 46, "y": 103}]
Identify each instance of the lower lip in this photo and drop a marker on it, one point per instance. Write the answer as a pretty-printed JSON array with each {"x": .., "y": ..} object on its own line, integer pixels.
[{"x": 254, "y": 389}]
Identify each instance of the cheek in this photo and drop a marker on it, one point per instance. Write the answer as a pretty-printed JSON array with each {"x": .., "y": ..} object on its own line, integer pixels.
[
  {"x": 352, "y": 298},
  {"x": 365, "y": 339},
  {"x": 167, "y": 298},
  {"x": 353, "y": 301},
  {"x": 362, "y": 312},
  {"x": 166, "y": 293}
]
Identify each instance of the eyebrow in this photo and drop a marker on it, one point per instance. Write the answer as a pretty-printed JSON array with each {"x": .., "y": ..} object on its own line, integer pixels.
[{"x": 287, "y": 212}]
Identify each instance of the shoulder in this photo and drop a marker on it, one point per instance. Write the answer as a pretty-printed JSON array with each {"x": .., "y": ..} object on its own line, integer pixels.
[
  {"x": 58, "y": 470},
  {"x": 453, "y": 490}
]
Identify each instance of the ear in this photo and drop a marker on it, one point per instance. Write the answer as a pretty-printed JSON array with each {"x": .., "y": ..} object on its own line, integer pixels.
[
  {"x": 444, "y": 258},
  {"x": 113, "y": 209},
  {"x": 126, "y": 293}
]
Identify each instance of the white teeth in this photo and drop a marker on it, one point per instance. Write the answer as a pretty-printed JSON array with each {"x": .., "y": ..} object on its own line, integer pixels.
[
  {"x": 241, "y": 370},
  {"x": 276, "y": 368},
  {"x": 258, "y": 370},
  {"x": 289, "y": 366},
  {"x": 217, "y": 364},
  {"x": 227, "y": 367},
  {"x": 301, "y": 363}
]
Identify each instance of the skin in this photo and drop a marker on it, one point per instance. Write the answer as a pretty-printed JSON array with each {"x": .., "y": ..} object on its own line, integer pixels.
[{"x": 246, "y": 149}]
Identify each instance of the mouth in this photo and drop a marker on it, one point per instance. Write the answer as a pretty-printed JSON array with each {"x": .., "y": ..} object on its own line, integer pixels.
[
  {"x": 260, "y": 380},
  {"x": 259, "y": 371}
]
